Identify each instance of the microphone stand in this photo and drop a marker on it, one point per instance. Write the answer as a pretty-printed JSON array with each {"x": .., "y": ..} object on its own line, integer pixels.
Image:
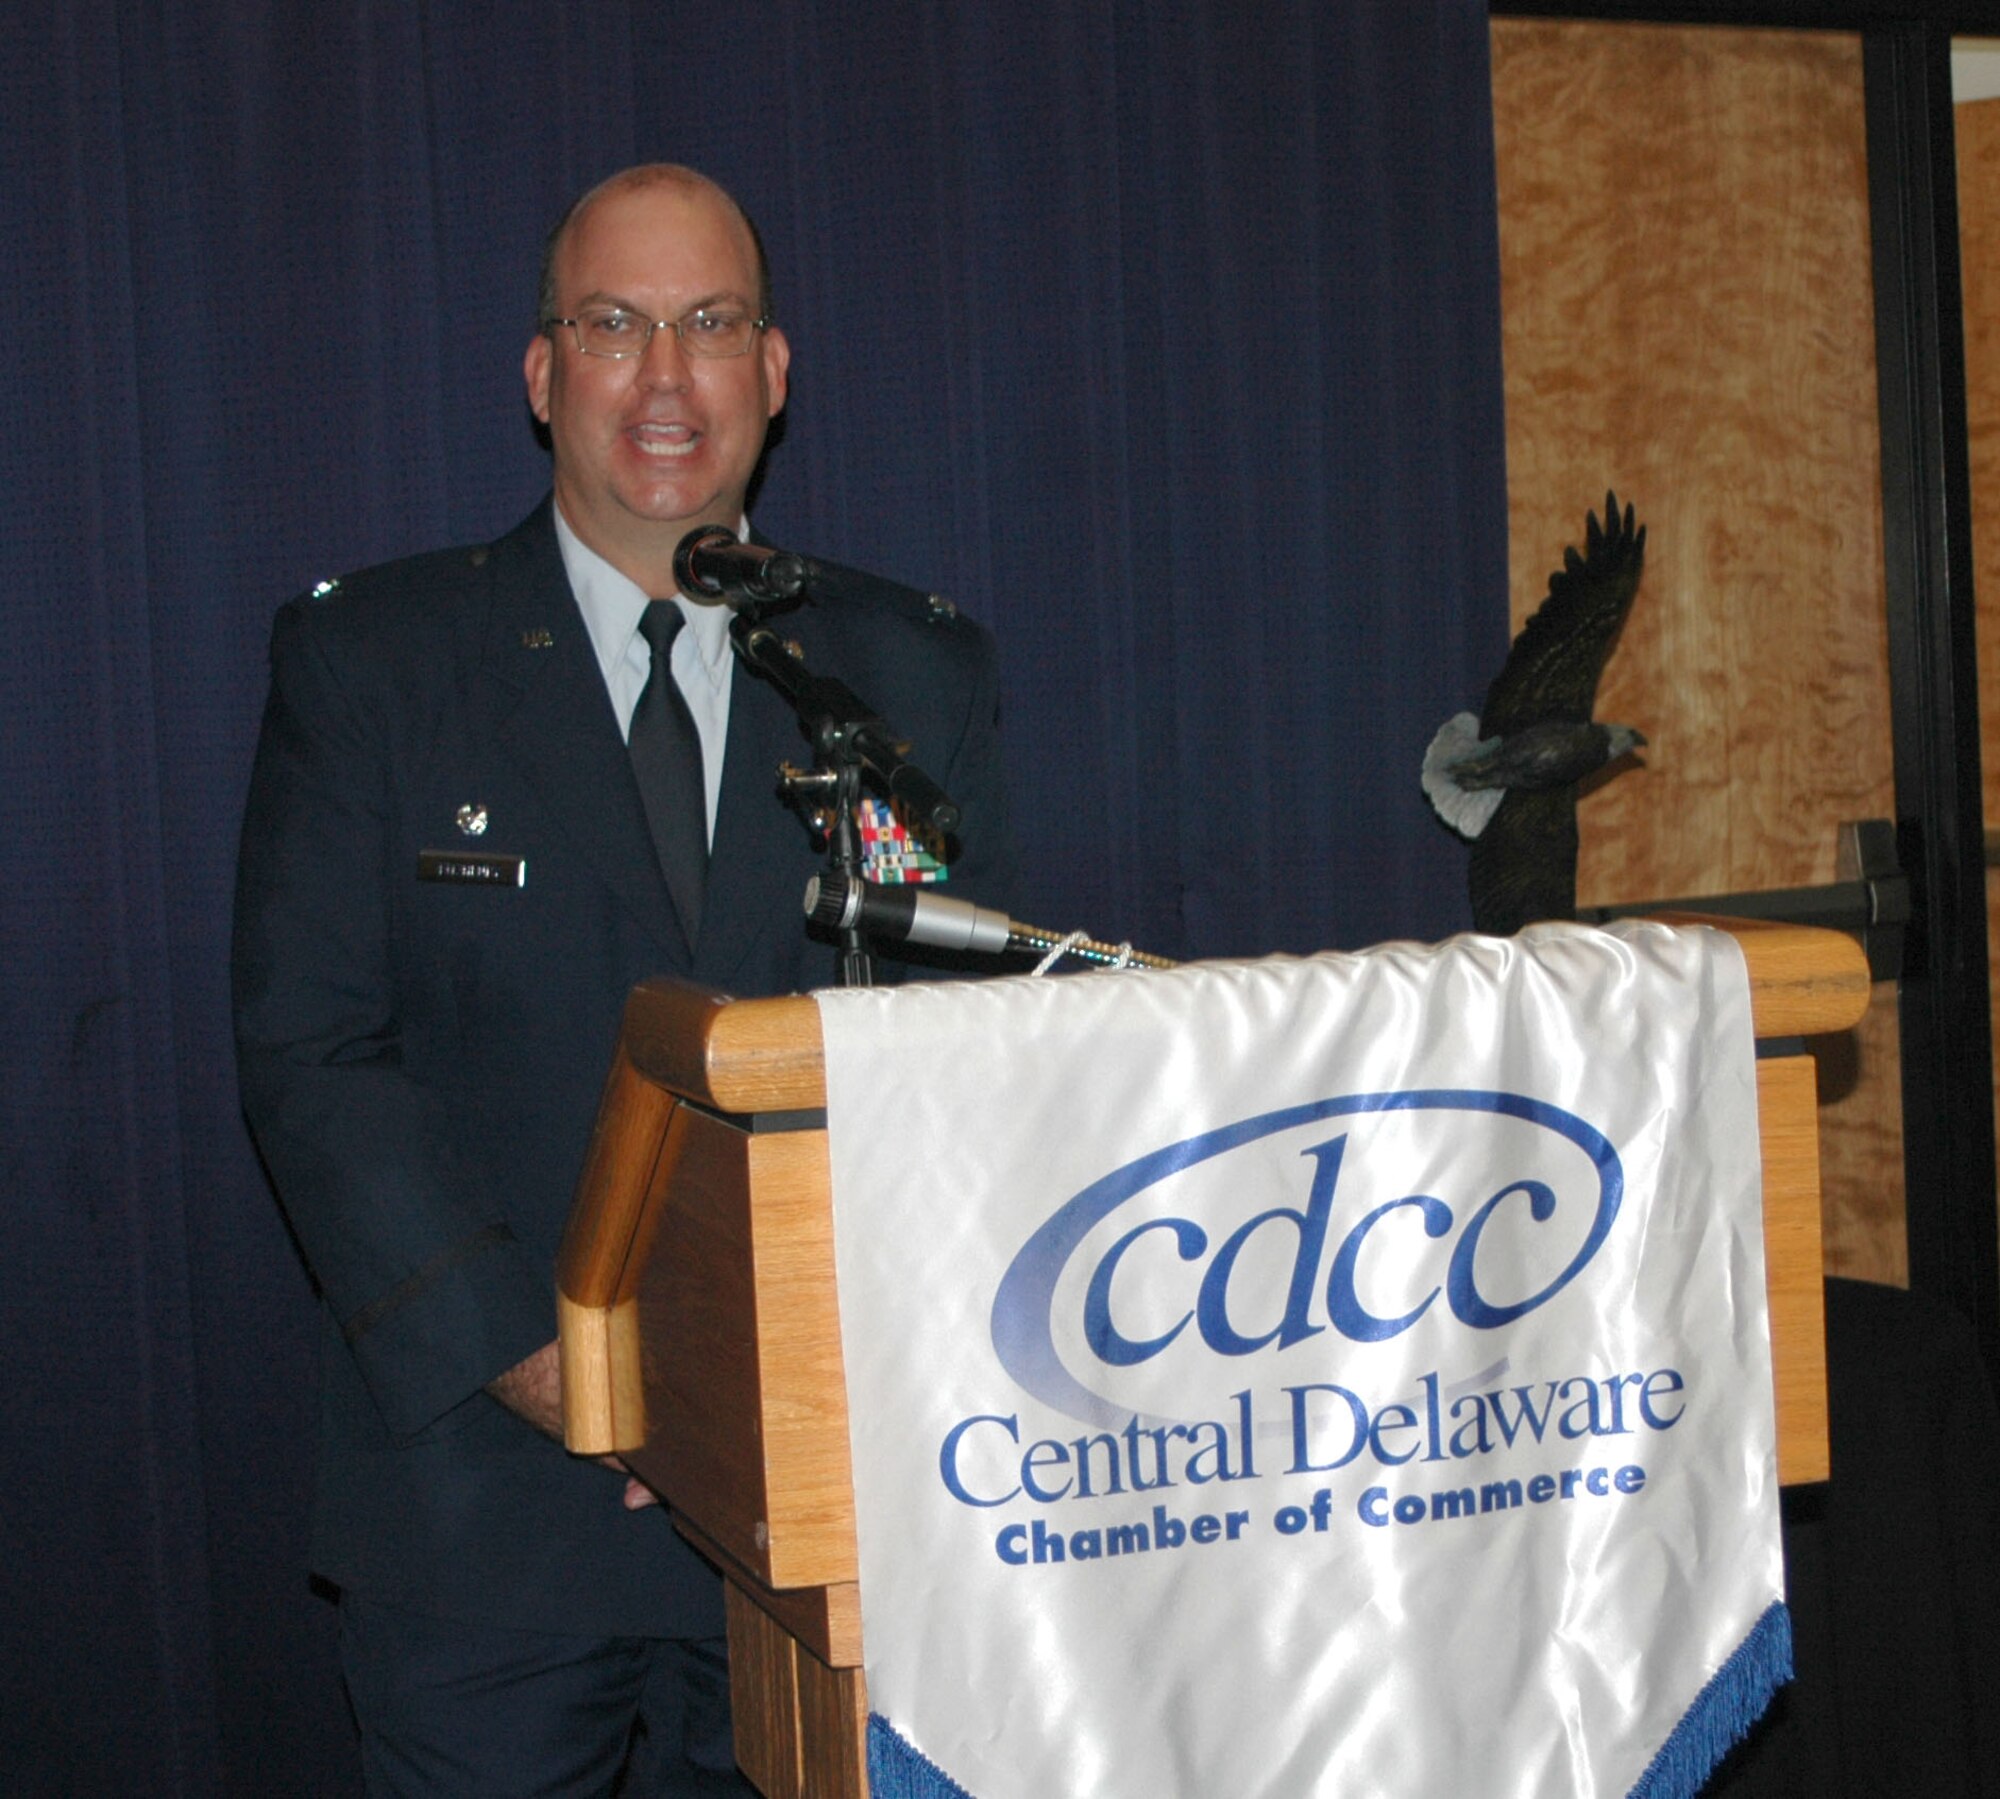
[
  {"x": 847, "y": 737},
  {"x": 832, "y": 795}
]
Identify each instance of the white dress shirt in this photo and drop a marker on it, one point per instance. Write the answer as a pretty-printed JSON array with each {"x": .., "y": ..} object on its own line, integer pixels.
[{"x": 703, "y": 663}]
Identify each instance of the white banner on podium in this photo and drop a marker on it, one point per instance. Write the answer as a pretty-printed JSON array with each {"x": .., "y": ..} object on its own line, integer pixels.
[{"x": 1327, "y": 1376}]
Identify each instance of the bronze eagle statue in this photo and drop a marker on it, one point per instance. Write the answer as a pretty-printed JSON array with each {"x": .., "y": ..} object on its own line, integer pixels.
[{"x": 1508, "y": 779}]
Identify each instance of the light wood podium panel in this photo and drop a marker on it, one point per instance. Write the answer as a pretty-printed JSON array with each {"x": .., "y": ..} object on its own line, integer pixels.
[{"x": 701, "y": 1334}]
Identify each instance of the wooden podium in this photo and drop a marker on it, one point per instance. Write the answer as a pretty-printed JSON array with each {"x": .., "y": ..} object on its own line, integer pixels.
[{"x": 701, "y": 1335}]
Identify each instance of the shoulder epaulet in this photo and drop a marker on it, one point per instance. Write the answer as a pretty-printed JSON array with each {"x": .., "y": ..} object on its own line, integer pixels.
[
  {"x": 925, "y": 608},
  {"x": 432, "y": 564},
  {"x": 846, "y": 586}
]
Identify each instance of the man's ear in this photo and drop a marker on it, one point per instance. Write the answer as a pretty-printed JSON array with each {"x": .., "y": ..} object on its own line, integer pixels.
[
  {"x": 776, "y": 350},
  {"x": 536, "y": 365}
]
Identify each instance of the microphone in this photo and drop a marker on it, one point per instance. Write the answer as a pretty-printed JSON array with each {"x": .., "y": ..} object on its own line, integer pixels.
[
  {"x": 712, "y": 564},
  {"x": 906, "y": 915}
]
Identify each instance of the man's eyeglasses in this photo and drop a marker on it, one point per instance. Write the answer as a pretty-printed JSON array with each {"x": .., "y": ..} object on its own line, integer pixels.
[{"x": 618, "y": 331}]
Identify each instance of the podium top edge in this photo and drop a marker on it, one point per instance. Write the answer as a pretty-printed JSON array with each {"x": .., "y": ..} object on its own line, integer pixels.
[
  {"x": 737, "y": 1055},
  {"x": 767, "y": 1055},
  {"x": 1805, "y": 980}
]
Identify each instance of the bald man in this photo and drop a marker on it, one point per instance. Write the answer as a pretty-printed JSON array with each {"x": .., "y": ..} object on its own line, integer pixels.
[{"x": 422, "y": 1041}]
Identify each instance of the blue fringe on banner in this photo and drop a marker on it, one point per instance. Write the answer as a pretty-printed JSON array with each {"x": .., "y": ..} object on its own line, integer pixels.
[
  {"x": 898, "y": 1771},
  {"x": 1718, "y": 1720}
]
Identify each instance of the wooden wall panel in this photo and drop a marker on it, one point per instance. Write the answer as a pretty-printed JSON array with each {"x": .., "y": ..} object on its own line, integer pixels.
[
  {"x": 1688, "y": 318},
  {"x": 1979, "y": 244},
  {"x": 1861, "y": 1147}
]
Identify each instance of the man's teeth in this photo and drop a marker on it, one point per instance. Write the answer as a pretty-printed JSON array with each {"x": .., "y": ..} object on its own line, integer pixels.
[{"x": 664, "y": 440}]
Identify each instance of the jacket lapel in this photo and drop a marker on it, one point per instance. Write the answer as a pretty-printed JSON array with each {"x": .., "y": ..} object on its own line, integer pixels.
[{"x": 555, "y": 721}]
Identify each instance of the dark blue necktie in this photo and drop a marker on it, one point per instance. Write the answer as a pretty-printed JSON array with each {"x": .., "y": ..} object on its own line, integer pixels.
[{"x": 666, "y": 756}]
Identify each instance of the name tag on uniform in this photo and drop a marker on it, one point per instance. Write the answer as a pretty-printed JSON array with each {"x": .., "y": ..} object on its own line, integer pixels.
[{"x": 470, "y": 870}]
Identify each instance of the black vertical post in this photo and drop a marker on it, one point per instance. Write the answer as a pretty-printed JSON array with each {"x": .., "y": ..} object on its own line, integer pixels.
[{"x": 1933, "y": 673}]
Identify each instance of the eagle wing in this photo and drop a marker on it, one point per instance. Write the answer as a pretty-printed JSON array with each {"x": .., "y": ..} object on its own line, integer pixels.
[{"x": 1552, "y": 671}]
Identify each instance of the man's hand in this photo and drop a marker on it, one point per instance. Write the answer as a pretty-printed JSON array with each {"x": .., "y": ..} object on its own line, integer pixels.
[{"x": 532, "y": 1391}]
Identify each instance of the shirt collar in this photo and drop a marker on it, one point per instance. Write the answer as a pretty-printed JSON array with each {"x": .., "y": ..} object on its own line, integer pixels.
[{"x": 612, "y": 604}]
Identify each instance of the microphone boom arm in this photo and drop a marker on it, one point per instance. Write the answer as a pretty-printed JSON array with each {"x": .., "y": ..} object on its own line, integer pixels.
[
  {"x": 848, "y": 736},
  {"x": 841, "y": 726}
]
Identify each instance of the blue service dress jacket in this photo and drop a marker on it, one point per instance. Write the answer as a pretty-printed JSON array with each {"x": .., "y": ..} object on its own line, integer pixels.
[{"x": 421, "y": 1059}]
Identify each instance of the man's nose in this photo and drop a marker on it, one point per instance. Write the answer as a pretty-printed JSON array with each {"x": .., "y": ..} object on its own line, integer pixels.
[{"x": 663, "y": 362}]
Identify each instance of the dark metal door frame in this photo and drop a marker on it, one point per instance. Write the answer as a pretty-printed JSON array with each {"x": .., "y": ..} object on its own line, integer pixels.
[{"x": 1942, "y": 996}]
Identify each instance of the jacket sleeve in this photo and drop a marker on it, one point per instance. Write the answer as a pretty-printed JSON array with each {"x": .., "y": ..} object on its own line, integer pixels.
[{"x": 430, "y": 1288}]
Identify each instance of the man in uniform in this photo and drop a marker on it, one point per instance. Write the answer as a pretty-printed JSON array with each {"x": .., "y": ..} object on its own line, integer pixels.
[{"x": 422, "y": 1036}]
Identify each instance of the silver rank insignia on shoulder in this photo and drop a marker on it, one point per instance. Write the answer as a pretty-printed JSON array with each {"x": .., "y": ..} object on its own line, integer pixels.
[
  {"x": 941, "y": 608},
  {"x": 537, "y": 637},
  {"x": 472, "y": 819},
  {"x": 322, "y": 588}
]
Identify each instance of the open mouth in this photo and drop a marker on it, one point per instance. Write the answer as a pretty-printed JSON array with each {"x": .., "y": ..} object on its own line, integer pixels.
[{"x": 663, "y": 441}]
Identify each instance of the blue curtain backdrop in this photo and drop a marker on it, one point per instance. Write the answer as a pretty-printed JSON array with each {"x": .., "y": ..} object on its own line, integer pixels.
[{"x": 1162, "y": 334}]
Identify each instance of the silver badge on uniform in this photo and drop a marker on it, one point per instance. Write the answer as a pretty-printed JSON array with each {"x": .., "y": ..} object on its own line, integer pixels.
[{"x": 472, "y": 818}]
